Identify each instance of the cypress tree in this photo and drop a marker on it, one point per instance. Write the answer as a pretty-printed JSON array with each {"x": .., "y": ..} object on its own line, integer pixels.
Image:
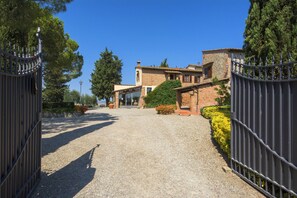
[
  {"x": 271, "y": 30},
  {"x": 106, "y": 74}
]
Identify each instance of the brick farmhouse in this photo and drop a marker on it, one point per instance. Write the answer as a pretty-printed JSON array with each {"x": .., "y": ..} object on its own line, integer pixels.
[{"x": 197, "y": 88}]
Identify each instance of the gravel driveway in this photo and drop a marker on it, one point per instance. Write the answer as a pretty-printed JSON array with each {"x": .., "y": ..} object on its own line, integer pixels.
[{"x": 134, "y": 153}]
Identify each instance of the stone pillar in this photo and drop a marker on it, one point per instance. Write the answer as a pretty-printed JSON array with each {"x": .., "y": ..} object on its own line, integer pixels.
[
  {"x": 178, "y": 100},
  {"x": 116, "y": 102},
  {"x": 142, "y": 95},
  {"x": 194, "y": 102}
]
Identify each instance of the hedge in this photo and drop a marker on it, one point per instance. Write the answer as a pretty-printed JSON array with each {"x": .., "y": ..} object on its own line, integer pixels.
[
  {"x": 220, "y": 124},
  {"x": 58, "y": 107},
  {"x": 164, "y": 94},
  {"x": 52, "y": 105}
]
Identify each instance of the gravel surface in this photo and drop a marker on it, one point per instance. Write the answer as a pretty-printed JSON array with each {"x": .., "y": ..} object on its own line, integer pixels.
[{"x": 134, "y": 153}]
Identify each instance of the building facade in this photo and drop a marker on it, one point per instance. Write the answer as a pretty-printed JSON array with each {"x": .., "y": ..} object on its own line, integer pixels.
[
  {"x": 197, "y": 88},
  {"x": 147, "y": 78},
  {"x": 215, "y": 63}
]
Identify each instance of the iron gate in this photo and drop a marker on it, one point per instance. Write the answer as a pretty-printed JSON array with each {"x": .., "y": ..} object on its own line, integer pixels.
[
  {"x": 264, "y": 126},
  {"x": 20, "y": 120}
]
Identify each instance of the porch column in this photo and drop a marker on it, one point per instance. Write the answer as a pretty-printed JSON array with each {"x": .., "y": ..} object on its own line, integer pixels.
[
  {"x": 116, "y": 98},
  {"x": 178, "y": 100},
  {"x": 194, "y": 102}
]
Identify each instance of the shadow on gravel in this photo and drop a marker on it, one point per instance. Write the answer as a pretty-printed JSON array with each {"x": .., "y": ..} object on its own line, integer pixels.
[
  {"x": 56, "y": 125},
  {"x": 50, "y": 145},
  {"x": 68, "y": 181}
]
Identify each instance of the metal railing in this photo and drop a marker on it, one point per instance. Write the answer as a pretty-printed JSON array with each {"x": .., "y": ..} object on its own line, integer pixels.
[
  {"x": 264, "y": 126},
  {"x": 20, "y": 119}
]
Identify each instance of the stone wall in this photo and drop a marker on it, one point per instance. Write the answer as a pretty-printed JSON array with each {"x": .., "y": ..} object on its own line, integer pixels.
[
  {"x": 207, "y": 95},
  {"x": 220, "y": 64},
  {"x": 221, "y": 67},
  {"x": 186, "y": 99},
  {"x": 151, "y": 77},
  {"x": 199, "y": 97}
]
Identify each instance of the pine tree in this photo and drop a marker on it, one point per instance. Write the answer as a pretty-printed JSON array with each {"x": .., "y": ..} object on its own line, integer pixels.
[
  {"x": 67, "y": 66},
  {"x": 271, "y": 30},
  {"x": 106, "y": 74},
  {"x": 61, "y": 60}
]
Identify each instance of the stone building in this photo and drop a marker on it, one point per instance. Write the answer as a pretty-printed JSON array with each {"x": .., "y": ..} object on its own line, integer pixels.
[
  {"x": 215, "y": 63},
  {"x": 147, "y": 78},
  {"x": 197, "y": 88}
]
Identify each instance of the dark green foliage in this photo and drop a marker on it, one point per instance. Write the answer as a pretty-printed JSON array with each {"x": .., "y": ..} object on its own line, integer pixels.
[
  {"x": 223, "y": 91},
  {"x": 164, "y": 63},
  {"x": 271, "y": 30},
  {"x": 60, "y": 70},
  {"x": 106, "y": 74},
  {"x": 61, "y": 60},
  {"x": 71, "y": 96},
  {"x": 89, "y": 100},
  {"x": 54, "y": 5},
  {"x": 164, "y": 94}
]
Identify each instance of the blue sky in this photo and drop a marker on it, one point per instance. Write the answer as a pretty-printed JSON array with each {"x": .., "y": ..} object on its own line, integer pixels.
[{"x": 151, "y": 30}]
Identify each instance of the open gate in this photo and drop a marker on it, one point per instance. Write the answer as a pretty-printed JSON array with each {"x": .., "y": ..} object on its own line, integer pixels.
[
  {"x": 264, "y": 126},
  {"x": 20, "y": 120}
]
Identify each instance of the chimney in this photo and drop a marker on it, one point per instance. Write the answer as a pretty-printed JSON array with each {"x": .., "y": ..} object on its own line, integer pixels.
[{"x": 138, "y": 63}]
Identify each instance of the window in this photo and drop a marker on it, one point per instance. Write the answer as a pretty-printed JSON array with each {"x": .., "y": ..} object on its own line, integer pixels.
[
  {"x": 197, "y": 79},
  {"x": 207, "y": 72},
  {"x": 137, "y": 76},
  {"x": 148, "y": 90},
  {"x": 187, "y": 78},
  {"x": 172, "y": 77}
]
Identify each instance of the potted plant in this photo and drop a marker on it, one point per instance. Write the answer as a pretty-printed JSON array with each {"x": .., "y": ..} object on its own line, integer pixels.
[{"x": 111, "y": 105}]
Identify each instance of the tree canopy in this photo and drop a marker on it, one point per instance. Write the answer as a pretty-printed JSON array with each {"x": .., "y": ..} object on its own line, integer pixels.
[
  {"x": 71, "y": 96},
  {"x": 107, "y": 73},
  {"x": 53, "y": 5},
  {"x": 62, "y": 61},
  {"x": 271, "y": 30}
]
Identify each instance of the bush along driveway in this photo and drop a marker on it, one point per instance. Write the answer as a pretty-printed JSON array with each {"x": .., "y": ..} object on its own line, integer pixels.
[{"x": 134, "y": 153}]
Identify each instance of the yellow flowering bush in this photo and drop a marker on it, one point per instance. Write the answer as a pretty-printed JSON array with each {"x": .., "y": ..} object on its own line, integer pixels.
[{"x": 220, "y": 124}]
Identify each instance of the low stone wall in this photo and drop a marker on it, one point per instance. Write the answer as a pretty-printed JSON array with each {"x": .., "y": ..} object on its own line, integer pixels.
[{"x": 60, "y": 115}]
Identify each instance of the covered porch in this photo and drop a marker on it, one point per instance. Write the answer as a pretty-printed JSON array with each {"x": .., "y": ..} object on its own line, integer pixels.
[{"x": 128, "y": 97}]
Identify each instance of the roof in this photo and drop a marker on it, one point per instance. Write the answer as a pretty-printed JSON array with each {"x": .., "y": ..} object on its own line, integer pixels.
[
  {"x": 207, "y": 64},
  {"x": 170, "y": 69},
  {"x": 194, "y": 66},
  {"x": 173, "y": 72},
  {"x": 191, "y": 87},
  {"x": 224, "y": 49},
  {"x": 127, "y": 89}
]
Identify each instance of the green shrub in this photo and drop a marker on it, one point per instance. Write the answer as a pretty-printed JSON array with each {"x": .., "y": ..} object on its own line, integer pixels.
[
  {"x": 165, "y": 109},
  {"x": 164, "y": 94},
  {"x": 223, "y": 91},
  {"x": 220, "y": 124}
]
